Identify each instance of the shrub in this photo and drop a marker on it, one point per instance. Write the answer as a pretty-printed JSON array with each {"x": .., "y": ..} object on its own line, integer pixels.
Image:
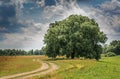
[{"x": 110, "y": 54}]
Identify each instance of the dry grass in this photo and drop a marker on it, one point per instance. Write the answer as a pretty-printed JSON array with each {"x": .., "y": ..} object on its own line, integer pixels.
[{"x": 18, "y": 64}]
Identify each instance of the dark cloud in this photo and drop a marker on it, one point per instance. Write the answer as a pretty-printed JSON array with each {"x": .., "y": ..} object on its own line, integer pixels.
[
  {"x": 9, "y": 22},
  {"x": 1, "y": 37},
  {"x": 50, "y": 2},
  {"x": 4, "y": 1},
  {"x": 117, "y": 29},
  {"x": 8, "y": 19},
  {"x": 6, "y": 13}
]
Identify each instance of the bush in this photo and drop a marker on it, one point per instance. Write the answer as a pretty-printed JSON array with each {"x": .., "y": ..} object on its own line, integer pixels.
[{"x": 110, "y": 54}]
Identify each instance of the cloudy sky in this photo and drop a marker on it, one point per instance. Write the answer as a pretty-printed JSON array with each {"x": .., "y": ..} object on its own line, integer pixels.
[{"x": 23, "y": 23}]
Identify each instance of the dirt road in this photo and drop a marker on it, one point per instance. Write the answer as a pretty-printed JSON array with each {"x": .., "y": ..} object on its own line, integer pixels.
[
  {"x": 45, "y": 69},
  {"x": 53, "y": 67}
]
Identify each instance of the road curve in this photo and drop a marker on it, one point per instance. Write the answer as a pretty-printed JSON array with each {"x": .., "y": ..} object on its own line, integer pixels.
[
  {"x": 53, "y": 67},
  {"x": 44, "y": 67}
]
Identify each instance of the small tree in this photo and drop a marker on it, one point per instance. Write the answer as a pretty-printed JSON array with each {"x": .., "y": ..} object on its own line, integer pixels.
[
  {"x": 30, "y": 52},
  {"x": 114, "y": 47},
  {"x": 110, "y": 54}
]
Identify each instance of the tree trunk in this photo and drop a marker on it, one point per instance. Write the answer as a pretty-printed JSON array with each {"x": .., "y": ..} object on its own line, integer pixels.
[
  {"x": 73, "y": 55},
  {"x": 67, "y": 56}
]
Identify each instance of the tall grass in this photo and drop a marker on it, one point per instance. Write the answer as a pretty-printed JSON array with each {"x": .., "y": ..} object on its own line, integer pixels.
[{"x": 17, "y": 64}]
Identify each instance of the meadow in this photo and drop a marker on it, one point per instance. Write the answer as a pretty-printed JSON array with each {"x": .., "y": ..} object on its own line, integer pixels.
[
  {"x": 106, "y": 68},
  {"x": 17, "y": 64}
]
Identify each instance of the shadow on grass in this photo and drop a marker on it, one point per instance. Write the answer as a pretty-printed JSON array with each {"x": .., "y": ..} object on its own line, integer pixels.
[
  {"x": 55, "y": 59},
  {"x": 105, "y": 62},
  {"x": 51, "y": 59}
]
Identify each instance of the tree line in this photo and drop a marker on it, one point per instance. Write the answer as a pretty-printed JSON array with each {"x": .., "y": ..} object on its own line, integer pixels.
[
  {"x": 17, "y": 52},
  {"x": 75, "y": 36},
  {"x": 112, "y": 49}
]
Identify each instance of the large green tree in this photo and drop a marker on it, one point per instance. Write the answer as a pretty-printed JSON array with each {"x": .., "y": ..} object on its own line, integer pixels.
[{"x": 75, "y": 36}]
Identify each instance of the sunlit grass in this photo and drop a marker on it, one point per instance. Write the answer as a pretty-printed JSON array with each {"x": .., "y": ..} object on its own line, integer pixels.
[{"x": 106, "y": 68}]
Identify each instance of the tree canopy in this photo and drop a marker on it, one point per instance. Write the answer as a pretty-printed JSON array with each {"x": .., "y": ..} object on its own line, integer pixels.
[{"x": 75, "y": 36}]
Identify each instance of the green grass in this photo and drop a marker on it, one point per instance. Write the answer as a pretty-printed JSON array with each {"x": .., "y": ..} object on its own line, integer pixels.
[
  {"x": 106, "y": 68},
  {"x": 13, "y": 65}
]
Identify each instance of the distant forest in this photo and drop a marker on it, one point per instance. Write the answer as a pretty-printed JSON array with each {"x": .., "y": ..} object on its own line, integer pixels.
[{"x": 17, "y": 52}]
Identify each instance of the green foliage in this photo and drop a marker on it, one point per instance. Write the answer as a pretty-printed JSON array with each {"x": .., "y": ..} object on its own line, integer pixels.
[
  {"x": 74, "y": 36},
  {"x": 38, "y": 52},
  {"x": 16, "y": 52},
  {"x": 30, "y": 52},
  {"x": 114, "y": 47},
  {"x": 105, "y": 49},
  {"x": 110, "y": 54},
  {"x": 12, "y": 52}
]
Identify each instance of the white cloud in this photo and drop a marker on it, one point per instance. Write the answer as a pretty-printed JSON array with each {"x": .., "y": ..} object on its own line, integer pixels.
[
  {"x": 19, "y": 6},
  {"x": 110, "y": 5},
  {"x": 30, "y": 38},
  {"x": 63, "y": 9},
  {"x": 18, "y": 3},
  {"x": 106, "y": 17},
  {"x": 41, "y": 3},
  {"x": 102, "y": 20}
]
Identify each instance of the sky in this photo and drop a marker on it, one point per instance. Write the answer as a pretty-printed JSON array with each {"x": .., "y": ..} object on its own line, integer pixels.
[{"x": 23, "y": 23}]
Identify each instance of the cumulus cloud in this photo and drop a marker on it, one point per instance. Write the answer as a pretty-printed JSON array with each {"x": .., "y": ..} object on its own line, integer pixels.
[
  {"x": 62, "y": 9},
  {"x": 30, "y": 38}
]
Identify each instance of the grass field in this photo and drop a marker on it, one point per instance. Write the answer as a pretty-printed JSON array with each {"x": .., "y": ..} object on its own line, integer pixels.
[
  {"x": 18, "y": 64},
  {"x": 106, "y": 68}
]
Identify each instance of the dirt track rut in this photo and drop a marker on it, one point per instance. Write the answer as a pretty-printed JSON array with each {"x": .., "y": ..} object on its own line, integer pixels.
[{"x": 45, "y": 69}]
